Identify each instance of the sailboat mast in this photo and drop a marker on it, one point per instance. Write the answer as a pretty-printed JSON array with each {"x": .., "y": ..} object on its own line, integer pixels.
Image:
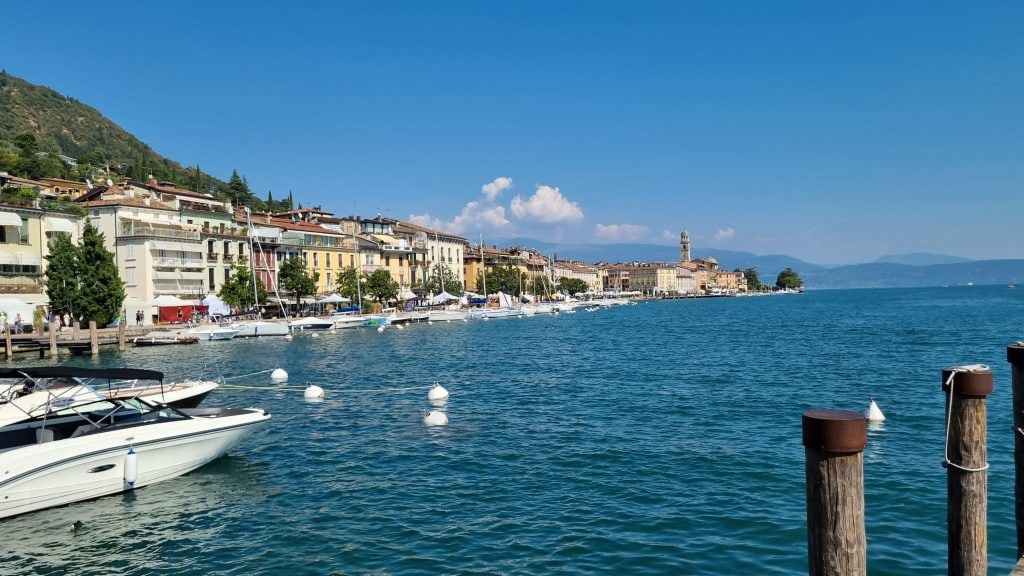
[
  {"x": 255, "y": 288},
  {"x": 483, "y": 266}
]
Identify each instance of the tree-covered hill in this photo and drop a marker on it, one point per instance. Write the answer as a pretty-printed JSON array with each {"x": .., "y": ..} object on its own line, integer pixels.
[{"x": 64, "y": 126}]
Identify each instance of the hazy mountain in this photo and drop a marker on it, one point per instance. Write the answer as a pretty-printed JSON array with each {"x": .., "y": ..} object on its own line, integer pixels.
[
  {"x": 921, "y": 259},
  {"x": 768, "y": 266},
  {"x": 891, "y": 275}
]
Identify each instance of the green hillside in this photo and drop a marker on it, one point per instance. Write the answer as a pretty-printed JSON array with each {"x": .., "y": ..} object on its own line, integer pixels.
[{"x": 62, "y": 125}]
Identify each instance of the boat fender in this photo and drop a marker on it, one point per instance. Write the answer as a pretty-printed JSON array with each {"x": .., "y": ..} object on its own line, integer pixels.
[
  {"x": 278, "y": 374},
  {"x": 874, "y": 413},
  {"x": 131, "y": 468},
  {"x": 437, "y": 392},
  {"x": 435, "y": 418},
  {"x": 313, "y": 392}
]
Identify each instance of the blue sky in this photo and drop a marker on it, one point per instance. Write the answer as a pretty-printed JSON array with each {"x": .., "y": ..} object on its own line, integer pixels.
[{"x": 832, "y": 132}]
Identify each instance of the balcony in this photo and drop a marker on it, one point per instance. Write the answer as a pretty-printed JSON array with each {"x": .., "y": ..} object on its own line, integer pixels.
[
  {"x": 229, "y": 258},
  {"x": 154, "y": 232},
  {"x": 212, "y": 256},
  {"x": 186, "y": 289},
  {"x": 177, "y": 263}
]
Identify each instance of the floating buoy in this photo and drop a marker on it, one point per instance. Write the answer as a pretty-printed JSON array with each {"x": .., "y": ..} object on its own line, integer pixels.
[
  {"x": 874, "y": 413},
  {"x": 380, "y": 328},
  {"x": 77, "y": 526},
  {"x": 435, "y": 418},
  {"x": 430, "y": 322},
  {"x": 437, "y": 392},
  {"x": 313, "y": 392},
  {"x": 450, "y": 320},
  {"x": 333, "y": 331},
  {"x": 315, "y": 335},
  {"x": 288, "y": 337},
  {"x": 279, "y": 374},
  {"x": 131, "y": 468},
  {"x": 399, "y": 326}
]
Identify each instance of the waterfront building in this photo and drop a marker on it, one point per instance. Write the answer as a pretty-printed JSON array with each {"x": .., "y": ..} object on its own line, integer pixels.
[
  {"x": 71, "y": 189},
  {"x": 403, "y": 252},
  {"x": 576, "y": 270},
  {"x": 26, "y": 228},
  {"x": 442, "y": 250},
  {"x": 617, "y": 278},
  {"x": 156, "y": 253}
]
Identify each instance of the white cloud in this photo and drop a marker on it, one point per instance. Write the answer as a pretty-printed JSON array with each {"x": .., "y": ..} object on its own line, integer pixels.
[
  {"x": 427, "y": 220},
  {"x": 724, "y": 234},
  {"x": 668, "y": 235},
  {"x": 546, "y": 205},
  {"x": 619, "y": 232},
  {"x": 476, "y": 216},
  {"x": 494, "y": 189}
]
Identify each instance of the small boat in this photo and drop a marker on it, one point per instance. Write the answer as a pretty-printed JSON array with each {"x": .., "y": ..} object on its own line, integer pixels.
[
  {"x": 210, "y": 332},
  {"x": 257, "y": 328},
  {"x": 311, "y": 323},
  {"x": 67, "y": 444},
  {"x": 457, "y": 315},
  {"x": 347, "y": 321},
  {"x": 374, "y": 321},
  {"x": 165, "y": 339}
]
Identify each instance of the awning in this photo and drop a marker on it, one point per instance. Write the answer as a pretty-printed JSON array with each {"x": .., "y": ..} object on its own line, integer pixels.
[
  {"x": 9, "y": 219},
  {"x": 59, "y": 225},
  {"x": 385, "y": 238},
  {"x": 20, "y": 259},
  {"x": 175, "y": 246}
]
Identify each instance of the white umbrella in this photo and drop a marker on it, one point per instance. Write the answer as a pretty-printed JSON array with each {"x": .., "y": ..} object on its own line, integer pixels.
[
  {"x": 332, "y": 299},
  {"x": 442, "y": 298}
]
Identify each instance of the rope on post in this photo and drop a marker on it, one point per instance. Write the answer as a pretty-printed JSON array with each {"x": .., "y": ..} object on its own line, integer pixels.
[{"x": 949, "y": 411}]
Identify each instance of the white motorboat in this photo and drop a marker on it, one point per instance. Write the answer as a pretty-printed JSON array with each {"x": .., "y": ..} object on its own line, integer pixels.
[
  {"x": 347, "y": 320},
  {"x": 257, "y": 328},
  {"x": 311, "y": 323},
  {"x": 68, "y": 444},
  {"x": 184, "y": 394},
  {"x": 446, "y": 315},
  {"x": 210, "y": 332}
]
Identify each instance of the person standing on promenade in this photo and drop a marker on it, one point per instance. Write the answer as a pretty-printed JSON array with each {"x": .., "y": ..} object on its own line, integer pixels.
[
  {"x": 17, "y": 323},
  {"x": 3, "y": 322}
]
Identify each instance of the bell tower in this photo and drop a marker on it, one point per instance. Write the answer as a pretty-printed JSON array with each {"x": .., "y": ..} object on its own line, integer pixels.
[{"x": 684, "y": 247}]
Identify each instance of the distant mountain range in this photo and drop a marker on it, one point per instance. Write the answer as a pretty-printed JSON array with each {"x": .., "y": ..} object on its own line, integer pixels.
[{"x": 891, "y": 271}]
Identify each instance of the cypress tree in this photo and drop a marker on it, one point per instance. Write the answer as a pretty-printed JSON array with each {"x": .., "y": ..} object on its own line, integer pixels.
[
  {"x": 62, "y": 274},
  {"x": 101, "y": 291}
]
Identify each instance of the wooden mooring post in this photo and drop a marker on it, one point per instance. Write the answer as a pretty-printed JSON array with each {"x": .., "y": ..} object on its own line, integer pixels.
[
  {"x": 122, "y": 329},
  {"x": 834, "y": 442},
  {"x": 966, "y": 462},
  {"x": 54, "y": 328},
  {"x": 1015, "y": 356},
  {"x": 9, "y": 348},
  {"x": 94, "y": 341}
]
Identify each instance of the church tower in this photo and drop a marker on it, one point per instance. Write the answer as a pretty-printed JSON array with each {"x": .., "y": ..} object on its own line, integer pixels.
[{"x": 684, "y": 247}]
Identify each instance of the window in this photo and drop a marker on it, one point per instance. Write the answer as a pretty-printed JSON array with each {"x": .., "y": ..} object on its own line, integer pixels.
[
  {"x": 328, "y": 258},
  {"x": 316, "y": 261},
  {"x": 328, "y": 280},
  {"x": 129, "y": 251},
  {"x": 227, "y": 247},
  {"x": 23, "y": 232},
  {"x": 209, "y": 248},
  {"x": 241, "y": 248},
  {"x": 129, "y": 276},
  {"x": 387, "y": 260},
  {"x": 213, "y": 283}
]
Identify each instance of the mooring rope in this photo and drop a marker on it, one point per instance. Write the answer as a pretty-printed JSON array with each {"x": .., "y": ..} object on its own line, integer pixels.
[
  {"x": 949, "y": 412},
  {"x": 248, "y": 375}
]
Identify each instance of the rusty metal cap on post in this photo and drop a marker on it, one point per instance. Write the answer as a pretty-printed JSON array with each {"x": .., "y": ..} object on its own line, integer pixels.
[
  {"x": 836, "y": 431},
  {"x": 969, "y": 381},
  {"x": 1015, "y": 353}
]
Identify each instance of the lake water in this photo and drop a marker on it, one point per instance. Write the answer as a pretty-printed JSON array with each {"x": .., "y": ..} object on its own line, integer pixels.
[{"x": 659, "y": 438}]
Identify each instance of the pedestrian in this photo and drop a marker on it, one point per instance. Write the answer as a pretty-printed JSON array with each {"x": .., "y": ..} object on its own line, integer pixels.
[
  {"x": 17, "y": 323},
  {"x": 180, "y": 315},
  {"x": 138, "y": 317},
  {"x": 67, "y": 320},
  {"x": 3, "y": 322}
]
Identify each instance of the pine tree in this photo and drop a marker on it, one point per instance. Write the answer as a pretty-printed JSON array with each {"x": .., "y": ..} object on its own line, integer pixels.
[
  {"x": 238, "y": 190},
  {"x": 101, "y": 291},
  {"x": 62, "y": 274}
]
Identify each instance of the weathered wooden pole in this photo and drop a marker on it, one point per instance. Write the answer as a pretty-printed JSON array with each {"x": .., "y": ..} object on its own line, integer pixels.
[
  {"x": 94, "y": 341},
  {"x": 1015, "y": 356},
  {"x": 966, "y": 463},
  {"x": 834, "y": 442},
  {"x": 54, "y": 327},
  {"x": 121, "y": 330},
  {"x": 9, "y": 350}
]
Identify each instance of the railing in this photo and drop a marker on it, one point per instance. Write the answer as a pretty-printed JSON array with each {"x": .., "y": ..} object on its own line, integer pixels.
[
  {"x": 177, "y": 263},
  {"x": 178, "y": 288},
  {"x": 138, "y": 231},
  {"x": 212, "y": 256},
  {"x": 229, "y": 258}
]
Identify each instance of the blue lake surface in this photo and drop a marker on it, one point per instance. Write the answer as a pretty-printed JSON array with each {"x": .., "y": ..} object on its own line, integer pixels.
[{"x": 658, "y": 438}]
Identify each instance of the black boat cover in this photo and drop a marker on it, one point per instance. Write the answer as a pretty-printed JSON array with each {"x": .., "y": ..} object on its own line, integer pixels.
[{"x": 84, "y": 373}]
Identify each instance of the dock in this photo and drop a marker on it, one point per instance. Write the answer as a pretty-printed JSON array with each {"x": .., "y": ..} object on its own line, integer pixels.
[{"x": 54, "y": 342}]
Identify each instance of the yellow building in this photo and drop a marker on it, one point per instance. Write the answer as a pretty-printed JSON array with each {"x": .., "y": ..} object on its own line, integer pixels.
[{"x": 26, "y": 227}]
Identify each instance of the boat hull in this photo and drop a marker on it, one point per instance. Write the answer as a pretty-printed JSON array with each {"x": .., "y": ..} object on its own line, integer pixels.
[
  {"x": 260, "y": 328},
  {"x": 93, "y": 465}
]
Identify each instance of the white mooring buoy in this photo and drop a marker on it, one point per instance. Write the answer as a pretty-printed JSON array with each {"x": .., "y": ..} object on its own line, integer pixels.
[
  {"x": 380, "y": 328},
  {"x": 435, "y": 418},
  {"x": 278, "y": 374},
  {"x": 874, "y": 413},
  {"x": 313, "y": 392},
  {"x": 399, "y": 326},
  {"x": 289, "y": 337},
  {"x": 430, "y": 322},
  {"x": 437, "y": 393}
]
